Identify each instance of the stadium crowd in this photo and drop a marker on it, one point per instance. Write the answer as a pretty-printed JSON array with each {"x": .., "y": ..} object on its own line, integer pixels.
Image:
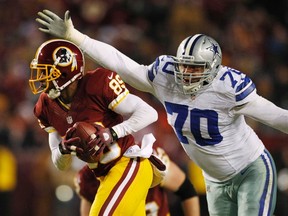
[{"x": 255, "y": 38}]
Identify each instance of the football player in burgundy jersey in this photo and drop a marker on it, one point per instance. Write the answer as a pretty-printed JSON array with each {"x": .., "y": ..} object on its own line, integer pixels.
[
  {"x": 156, "y": 200},
  {"x": 100, "y": 96},
  {"x": 206, "y": 105}
]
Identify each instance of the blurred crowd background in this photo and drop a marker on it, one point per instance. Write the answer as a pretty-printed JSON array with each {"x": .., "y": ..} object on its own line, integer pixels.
[{"x": 253, "y": 35}]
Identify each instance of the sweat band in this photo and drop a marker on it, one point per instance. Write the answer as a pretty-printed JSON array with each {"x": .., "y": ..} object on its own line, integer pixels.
[{"x": 186, "y": 190}]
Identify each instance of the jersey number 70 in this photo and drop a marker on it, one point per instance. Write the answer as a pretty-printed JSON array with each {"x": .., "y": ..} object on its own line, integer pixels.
[{"x": 208, "y": 116}]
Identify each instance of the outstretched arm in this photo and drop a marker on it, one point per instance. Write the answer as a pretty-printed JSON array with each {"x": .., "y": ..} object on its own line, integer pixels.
[
  {"x": 265, "y": 112},
  {"x": 109, "y": 57},
  {"x": 131, "y": 72}
]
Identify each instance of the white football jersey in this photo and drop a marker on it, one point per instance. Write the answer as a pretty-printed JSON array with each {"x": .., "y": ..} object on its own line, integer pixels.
[{"x": 219, "y": 141}]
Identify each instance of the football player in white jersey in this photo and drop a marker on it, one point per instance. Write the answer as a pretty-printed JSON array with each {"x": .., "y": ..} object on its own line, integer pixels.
[{"x": 206, "y": 103}]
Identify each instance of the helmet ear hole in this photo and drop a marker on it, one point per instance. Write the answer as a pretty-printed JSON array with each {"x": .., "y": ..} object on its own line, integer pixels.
[{"x": 63, "y": 75}]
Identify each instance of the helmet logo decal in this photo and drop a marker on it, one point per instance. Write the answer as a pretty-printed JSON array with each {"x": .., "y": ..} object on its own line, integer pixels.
[
  {"x": 63, "y": 57},
  {"x": 214, "y": 48}
]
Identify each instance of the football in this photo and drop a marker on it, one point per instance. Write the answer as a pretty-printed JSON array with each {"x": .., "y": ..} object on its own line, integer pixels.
[{"x": 86, "y": 132}]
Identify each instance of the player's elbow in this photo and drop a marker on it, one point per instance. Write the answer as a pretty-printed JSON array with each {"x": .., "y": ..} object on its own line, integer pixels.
[
  {"x": 62, "y": 163},
  {"x": 153, "y": 114},
  {"x": 61, "y": 166}
]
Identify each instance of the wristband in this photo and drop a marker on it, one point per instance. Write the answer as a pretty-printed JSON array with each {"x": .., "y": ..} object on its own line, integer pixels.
[
  {"x": 186, "y": 190},
  {"x": 114, "y": 134}
]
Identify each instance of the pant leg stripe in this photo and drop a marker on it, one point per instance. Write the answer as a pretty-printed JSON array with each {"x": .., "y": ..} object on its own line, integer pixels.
[
  {"x": 267, "y": 195},
  {"x": 120, "y": 188}
]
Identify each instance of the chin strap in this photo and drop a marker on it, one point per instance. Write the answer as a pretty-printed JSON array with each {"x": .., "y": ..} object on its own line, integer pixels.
[{"x": 54, "y": 93}]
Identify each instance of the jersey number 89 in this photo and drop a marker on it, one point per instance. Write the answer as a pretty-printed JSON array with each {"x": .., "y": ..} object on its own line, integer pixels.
[{"x": 117, "y": 85}]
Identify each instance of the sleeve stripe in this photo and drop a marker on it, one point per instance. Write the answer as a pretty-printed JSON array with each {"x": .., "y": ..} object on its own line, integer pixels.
[
  {"x": 50, "y": 129},
  {"x": 118, "y": 100},
  {"x": 240, "y": 95},
  {"x": 151, "y": 75},
  {"x": 247, "y": 81}
]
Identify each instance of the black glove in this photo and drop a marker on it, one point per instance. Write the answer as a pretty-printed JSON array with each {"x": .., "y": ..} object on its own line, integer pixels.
[{"x": 157, "y": 162}]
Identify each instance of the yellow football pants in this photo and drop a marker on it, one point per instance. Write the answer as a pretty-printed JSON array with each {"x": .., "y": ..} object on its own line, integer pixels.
[{"x": 124, "y": 189}]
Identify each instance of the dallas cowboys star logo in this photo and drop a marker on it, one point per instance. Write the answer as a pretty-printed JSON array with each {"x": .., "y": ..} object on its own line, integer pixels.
[{"x": 214, "y": 48}]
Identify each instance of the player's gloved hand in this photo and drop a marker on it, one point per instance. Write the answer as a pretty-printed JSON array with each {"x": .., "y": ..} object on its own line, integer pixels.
[
  {"x": 54, "y": 24},
  {"x": 58, "y": 27},
  {"x": 105, "y": 135},
  {"x": 95, "y": 151},
  {"x": 157, "y": 162},
  {"x": 159, "y": 170},
  {"x": 161, "y": 154},
  {"x": 69, "y": 144}
]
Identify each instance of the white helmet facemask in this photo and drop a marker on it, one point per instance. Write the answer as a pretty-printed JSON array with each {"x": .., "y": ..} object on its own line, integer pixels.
[{"x": 201, "y": 53}]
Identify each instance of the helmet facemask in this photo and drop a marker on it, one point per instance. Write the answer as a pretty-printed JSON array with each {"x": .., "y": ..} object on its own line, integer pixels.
[
  {"x": 202, "y": 57},
  {"x": 41, "y": 76}
]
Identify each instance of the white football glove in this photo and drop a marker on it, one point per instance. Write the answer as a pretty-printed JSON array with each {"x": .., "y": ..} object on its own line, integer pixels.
[{"x": 58, "y": 27}]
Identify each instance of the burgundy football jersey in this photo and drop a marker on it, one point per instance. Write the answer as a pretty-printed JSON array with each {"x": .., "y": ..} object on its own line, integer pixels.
[
  {"x": 87, "y": 186},
  {"x": 96, "y": 91}
]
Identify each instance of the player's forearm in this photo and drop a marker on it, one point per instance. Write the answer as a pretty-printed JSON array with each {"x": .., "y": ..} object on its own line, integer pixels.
[
  {"x": 141, "y": 115},
  {"x": 106, "y": 55},
  {"x": 102, "y": 53},
  {"x": 191, "y": 206},
  {"x": 189, "y": 198},
  {"x": 180, "y": 184},
  {"x": 85, "y": 207},
  {"x": 62, "y": 162},
  {"x": 266, "y": 112}
]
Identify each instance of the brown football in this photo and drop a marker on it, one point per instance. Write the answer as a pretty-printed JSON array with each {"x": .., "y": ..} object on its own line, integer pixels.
[{"x": 86, "y": 132}]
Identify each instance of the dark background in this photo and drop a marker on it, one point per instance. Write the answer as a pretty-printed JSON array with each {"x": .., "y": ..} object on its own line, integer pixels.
[{"x": 253, "y": 37}]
